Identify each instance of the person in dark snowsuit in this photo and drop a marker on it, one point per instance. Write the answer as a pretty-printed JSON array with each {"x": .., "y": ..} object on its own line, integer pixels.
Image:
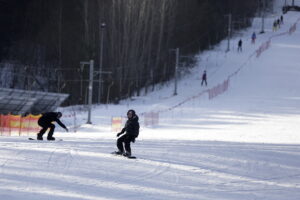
[
  {"x": 240, "y": 43},
  {"x": 131, "y": 130},
  {"x": 253, "y": 38},
  {"x": 45, "y": 121},
  {"x": 275, "y": 25},
  {"x": 204, "y": 78}
]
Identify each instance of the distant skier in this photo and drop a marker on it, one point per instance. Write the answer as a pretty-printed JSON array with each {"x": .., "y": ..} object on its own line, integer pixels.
[
  {"x": 278, "y": 23},
  {"x": 275, "y": 26},
  {"x": 131, "y": 131},
  {"x": 253, "y": 38},
  {"x": 45, "y": 121},
  {"x": 204, "y": 78},
  {"x": 240, "y": 43}
]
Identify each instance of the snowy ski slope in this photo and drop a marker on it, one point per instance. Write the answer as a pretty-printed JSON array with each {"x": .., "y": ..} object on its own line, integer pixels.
[{"x": 243, "y": 144}]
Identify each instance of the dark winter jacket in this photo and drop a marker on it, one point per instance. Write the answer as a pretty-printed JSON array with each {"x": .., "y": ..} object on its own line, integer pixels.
[
  {"x": 240, "y": 43},
  {"x": 132, "y": 126},
  {"x": 204, "y": 76},
  {"x": 50, "y": 117}
]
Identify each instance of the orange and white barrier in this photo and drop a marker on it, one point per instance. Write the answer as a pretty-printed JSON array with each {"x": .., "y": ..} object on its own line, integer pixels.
[
  {"x": 16, "y": 125},
  {"x": 219, "y": 89},
  {"x": 263, "y": 47},
  {"x": 116, "y": 124},
  {"x": 293, "y": 28}
]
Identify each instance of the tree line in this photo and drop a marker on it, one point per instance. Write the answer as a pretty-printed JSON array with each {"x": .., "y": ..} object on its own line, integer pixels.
[{"x": 45, "y": 41}]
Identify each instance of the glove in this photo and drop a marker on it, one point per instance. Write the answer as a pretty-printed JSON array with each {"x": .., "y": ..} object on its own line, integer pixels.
[
  {"x": 119, "y": 134},
  {"x": 133, "y": 140},
  {"x": 67, "y": 129}
]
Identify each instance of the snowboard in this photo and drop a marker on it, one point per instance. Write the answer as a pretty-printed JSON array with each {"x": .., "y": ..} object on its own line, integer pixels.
[
  {"x": 129, "y": 157},
  {"x": 45, "y": 140}
]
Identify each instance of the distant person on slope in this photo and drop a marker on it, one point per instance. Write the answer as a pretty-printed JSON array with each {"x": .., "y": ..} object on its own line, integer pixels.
[
  {"x": 240, "y": 43},
  {"x": 281, "y": 19},
  {"x": 275, "y": 26},
  {"x": 131, "y": 131},
  {"x": 253, "y": 38},
  {"x": 45, "y": 121},
  {"x": 278, "y": 23},
  {"x": 204, "y": 77}
]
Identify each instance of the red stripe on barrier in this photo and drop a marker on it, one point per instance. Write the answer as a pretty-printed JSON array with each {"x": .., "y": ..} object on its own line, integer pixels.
[{"x": 18, "y": 125}]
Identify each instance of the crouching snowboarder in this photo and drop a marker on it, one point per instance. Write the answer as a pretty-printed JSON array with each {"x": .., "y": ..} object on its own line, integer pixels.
[
  {"x": 45, "y": 121},
  {"x": 131, "y": 130}
]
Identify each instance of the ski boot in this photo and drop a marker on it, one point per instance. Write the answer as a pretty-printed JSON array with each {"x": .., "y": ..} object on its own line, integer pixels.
[
  {"x": 118, "y": 152},
  {"x": 127, "y": 154},
  {"x": 50, "y": 138},
  {"x": 39, "y": 137}
]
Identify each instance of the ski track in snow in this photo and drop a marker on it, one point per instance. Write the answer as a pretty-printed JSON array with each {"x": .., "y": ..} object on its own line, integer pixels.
[{"x": 82, "y": 170}]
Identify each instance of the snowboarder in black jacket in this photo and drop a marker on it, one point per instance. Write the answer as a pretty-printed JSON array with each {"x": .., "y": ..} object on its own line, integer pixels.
[
  {"x": 45, "y": 121},
  {"x": 131, "y": 131}
]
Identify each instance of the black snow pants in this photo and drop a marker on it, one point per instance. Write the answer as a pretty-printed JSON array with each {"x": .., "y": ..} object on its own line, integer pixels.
[
  {"x": 45, "y": 125},
  {"x": 126, "y": 139}
]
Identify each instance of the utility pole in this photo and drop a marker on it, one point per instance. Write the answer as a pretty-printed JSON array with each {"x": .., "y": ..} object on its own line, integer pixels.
[
  {"x": 293, "y": 3},
  {"x": 90, "y": 89},
  {"x": 229, "y": 32},
  {"x": 263, "y": 18},
  {"x": 176, "y": 71},
  {"x": 101, "y": 36},
  {"x": 91, "y": 79}
]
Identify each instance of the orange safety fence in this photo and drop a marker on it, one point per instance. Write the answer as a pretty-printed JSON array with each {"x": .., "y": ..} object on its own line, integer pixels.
[{"x": 16, "y": 125}]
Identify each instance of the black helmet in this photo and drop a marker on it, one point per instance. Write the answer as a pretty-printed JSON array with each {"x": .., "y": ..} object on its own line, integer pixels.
[
  {"x": 59, "y": 114},
  {"x": 131, "y": 111}
]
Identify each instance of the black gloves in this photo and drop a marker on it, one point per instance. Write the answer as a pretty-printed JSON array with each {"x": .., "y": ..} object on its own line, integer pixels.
[{"x": 119, "y": 134}]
